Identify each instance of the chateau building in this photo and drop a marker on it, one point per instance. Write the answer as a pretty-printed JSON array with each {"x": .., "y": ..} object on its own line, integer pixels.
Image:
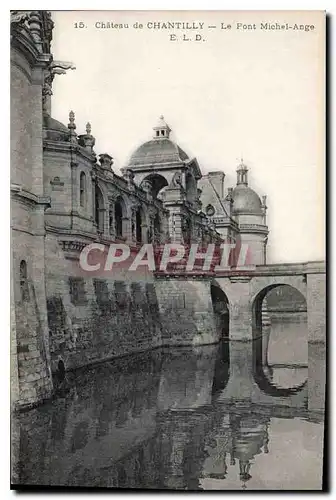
[{"x": 64, "y": 196}]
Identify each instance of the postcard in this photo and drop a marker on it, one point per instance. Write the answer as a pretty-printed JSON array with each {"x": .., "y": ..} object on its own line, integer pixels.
[{"x": 168, "y": 317}]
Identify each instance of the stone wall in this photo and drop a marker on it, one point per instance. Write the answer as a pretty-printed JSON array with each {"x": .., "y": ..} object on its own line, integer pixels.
[
  {"x": 94, "y": 319},
  {"x": 316, "y": 307},
  {"x": 186, "y": 312},
  {"x": 30, "y": 367}
]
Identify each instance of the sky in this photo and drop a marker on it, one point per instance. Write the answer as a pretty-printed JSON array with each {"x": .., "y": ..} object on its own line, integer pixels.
[{"x": 237, "y": 92}]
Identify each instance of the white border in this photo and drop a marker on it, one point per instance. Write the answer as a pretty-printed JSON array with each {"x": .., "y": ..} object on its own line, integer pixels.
[{"x": 328, "y": 5}]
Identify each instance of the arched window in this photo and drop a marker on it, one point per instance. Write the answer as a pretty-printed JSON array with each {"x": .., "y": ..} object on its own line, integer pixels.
[
  {"x": 118, "y": 217},
  {"x": 138, "y": 226},
  {"x": 82, "y": 190},
  {"x": 24, "y": 281},
  {"x": 99, "y": 209}
]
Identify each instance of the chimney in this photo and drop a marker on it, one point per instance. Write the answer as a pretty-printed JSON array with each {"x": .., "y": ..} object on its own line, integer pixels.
[{"x": 217, "y": 181}]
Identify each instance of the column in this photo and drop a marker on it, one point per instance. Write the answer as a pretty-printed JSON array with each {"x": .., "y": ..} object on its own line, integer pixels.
[
  {"x": 127, "y": 229},
  {"x": 240, "y": 309},
  {"x": 106, "y": 222},
  {"x": 93, "y": 178},
  {"x": 74, "y": 190},
  {"x": 111, "y": 217}
]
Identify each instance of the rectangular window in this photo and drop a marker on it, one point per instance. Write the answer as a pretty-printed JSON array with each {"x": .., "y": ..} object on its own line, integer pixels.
[
  {"x": 77, "y": 291},
  {"x": 121, "y": 295},
  {"x": 102, "y": 294}
]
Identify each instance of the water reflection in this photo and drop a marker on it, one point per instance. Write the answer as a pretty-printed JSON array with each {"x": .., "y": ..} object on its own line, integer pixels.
[{"x": 187, "y": 418}]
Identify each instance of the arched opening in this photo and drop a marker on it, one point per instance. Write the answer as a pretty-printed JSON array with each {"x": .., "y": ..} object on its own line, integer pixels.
[
  {"x": 61, "y": 370},
  {"x": 157, "y": 228},
  {"x": 99, "y": 209},
  {"x": 280, "y": 338},
  {"x": 191, "y": 188},
  {"x": 138, "y": 226},
  {"x": 24, "y": 288},
  {"x": 220, "y": 305},
  {"x": 158, "y": 182},
  {"x": 82, "y": 190},
  {"x": 118, "y": 217}
]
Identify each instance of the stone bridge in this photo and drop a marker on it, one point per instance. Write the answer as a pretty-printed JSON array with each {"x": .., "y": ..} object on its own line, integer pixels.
[
  {"x": 188, "y": 318},
  {"x": 243, "y": 291}
]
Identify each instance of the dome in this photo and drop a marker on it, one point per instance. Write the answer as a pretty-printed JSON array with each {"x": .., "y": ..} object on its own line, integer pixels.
[
  {"x": 160, "y": 149},
  {"x": 56, "y": 131},
  {"x": 246, "y": 201},
  {"x": 156, "y": 151}
]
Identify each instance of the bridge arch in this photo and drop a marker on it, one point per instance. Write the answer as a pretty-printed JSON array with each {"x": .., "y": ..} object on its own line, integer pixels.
[
  {"x": 263, "y": 284},
  {"x": 221, "y": 308}
]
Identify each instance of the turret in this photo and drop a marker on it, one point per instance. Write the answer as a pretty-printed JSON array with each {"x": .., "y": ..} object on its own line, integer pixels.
[
  {"x": 161, "y": 129},
  {"x": 250, "y": 214}
]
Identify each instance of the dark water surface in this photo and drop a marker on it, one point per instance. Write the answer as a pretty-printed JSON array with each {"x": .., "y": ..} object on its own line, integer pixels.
[{"x": 183, "y": 418}]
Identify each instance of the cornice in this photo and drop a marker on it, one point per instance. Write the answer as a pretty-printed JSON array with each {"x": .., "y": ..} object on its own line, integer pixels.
[
  {"x": 28, "y": 197},
  {"x": 68, "y": 148}
]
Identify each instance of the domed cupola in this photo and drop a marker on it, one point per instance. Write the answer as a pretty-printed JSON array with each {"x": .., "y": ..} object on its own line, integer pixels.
[
  {"x": 161, "y": 129},
  {"x": 159, "y": 150},
  {"x": 245, "y": 200}
]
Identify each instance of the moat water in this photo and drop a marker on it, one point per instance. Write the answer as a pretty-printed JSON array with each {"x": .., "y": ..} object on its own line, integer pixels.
[{"x": 184, "y": 418}]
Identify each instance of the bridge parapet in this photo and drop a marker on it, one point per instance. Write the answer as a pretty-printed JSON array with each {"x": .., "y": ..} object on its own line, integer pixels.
[{"x": 315, "y": 267}]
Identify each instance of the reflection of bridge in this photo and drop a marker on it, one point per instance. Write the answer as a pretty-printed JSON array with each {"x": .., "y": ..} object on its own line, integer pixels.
[
  {"x": 184, "y": 418},
  {"x": 203, "y": 432},
  {"x": 194, "y": 321}
]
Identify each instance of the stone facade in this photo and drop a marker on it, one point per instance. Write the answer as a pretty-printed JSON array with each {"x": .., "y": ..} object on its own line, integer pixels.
[{"x": 30, "y": 358}]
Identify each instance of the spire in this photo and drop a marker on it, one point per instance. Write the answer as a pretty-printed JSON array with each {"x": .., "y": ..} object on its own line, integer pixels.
[
  {"x": 71, "y": 124},
  {"x": 72, "y": 127},
  {"x": 87, "y": 140},
  {"x": 161, "y": 129},
  {"x": 244, "y": 472},
  {"x": 242, "y": 173}
]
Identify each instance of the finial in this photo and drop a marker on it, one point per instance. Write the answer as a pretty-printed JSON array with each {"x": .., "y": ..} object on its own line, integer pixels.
[
  {"x": 105, "y": 160},
  {"x": 161, "y": 117},
  {"x": 241, "y": 164},
  {"x": 242, "y": 173},
  {"x": 72, "y": 127},
  {"x": 87, "y": 140}
]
